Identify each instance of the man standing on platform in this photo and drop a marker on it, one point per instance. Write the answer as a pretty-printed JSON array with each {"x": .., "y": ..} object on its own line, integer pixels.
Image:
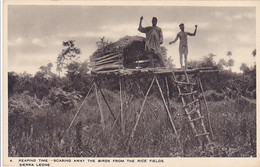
[
  {"x": 154, "y": 38},
  {"x": 183, "y": 47}
]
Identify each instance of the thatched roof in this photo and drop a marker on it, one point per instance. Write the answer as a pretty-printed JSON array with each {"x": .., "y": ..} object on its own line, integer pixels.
[
  {"x": 122, "y": 53},
  {"x": 117, "y": 46}
]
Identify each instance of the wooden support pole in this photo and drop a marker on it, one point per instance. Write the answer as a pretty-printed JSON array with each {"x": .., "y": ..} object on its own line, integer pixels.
[
  {"x": 207, "y": 108},
  {"x": 140, "y": 113},
  {"x": 122, "y": 107},
  {"x": 102, "y": 120},
  {"x": 166, "y": 107},
  {"x": 167, "y": 91},
  {"x": 103, "y": 96},
  {"x": 119, "y": 113},
  {"x": 149, "y": 105},
  {"x": 84, "y": 101}
]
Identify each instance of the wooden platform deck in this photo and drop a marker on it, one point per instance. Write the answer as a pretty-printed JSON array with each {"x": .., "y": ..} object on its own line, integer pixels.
[{"x": 159, "y": 70}]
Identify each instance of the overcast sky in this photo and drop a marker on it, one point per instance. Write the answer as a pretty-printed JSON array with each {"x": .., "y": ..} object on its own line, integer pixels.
[{"x": 35, "y": 33}]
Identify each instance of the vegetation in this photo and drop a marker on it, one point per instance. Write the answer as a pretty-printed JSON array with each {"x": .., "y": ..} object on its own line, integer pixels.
[{"x": 42, "y": 106}]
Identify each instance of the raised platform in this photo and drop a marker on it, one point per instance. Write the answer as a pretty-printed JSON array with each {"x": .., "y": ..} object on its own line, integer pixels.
[{"x": 158, "y": 70}]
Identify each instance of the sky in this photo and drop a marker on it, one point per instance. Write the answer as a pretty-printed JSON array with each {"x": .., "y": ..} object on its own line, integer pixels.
[{"x": 35, "y": 33}]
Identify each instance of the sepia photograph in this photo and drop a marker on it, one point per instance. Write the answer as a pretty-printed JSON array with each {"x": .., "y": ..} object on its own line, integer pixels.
[{"x": 129, "y": 81}]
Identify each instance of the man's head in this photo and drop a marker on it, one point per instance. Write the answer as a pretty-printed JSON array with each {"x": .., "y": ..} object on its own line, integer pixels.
[
  {"x": 181, "y": 26},
  {"x": 154, "y": 21}
]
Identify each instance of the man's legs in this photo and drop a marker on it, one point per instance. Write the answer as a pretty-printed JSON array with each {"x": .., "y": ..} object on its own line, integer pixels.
[
  {"x": 185, "y": 60},
  {"x": 181, "y": 59},
  {"x": 161, "y": 59},
  {"x": 151, "y": 55},
  {"x": 184, "y": 52}
]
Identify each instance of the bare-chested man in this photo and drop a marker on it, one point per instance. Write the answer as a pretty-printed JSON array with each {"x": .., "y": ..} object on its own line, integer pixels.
[{"x": 183, "y": 47}]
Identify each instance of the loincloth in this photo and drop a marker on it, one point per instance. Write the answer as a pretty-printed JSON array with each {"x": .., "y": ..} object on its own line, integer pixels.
[{"x": 183, "y": 49}]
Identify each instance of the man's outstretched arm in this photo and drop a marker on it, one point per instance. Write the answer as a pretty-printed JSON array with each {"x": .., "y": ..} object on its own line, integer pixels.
[
  {"x": 174, "y": 40},
  {"x": 140, "y": 28},
  {"x": 195, "y": 31}
]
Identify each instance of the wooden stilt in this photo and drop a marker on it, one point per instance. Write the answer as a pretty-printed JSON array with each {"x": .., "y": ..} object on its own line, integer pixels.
[
  {"x": 128, "y": 97},
  {"x": 118, "y": 116},
  {"x": 166, "y": 107},
  {"x": 140, "y": 113},
  {"x": 84, "y": 101},
  {"x": 207, "y": 108},
  {"x": 167, "y": 91},
  {"x": 121, "y": 107},
  {"x": 102, "y": 120},
  {"x": 149, "y": 105},
  {"x": 103, "y": 96}
]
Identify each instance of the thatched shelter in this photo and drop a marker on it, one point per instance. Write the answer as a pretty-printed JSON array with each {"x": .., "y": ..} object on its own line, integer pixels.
[{"x": 127, "y": 52}]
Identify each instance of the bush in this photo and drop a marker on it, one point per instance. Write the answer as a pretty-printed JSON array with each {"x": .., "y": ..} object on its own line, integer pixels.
[{"x": 66, "y": 100}]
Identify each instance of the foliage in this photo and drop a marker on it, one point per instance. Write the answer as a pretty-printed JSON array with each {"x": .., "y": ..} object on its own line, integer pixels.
[
  {"x": 102, "y": 43},
  {"x": 254, "y": 52},
  {"x": 68, "y": 55},
  {"x": 244, "y": 68},
  {"x": 229, "y": 53},
  {"x": 222, "y": 63},
  {"x": 225, "y": 82},
  {"x": 67, "y": 100},
  {"x": 230, "y": 62}
]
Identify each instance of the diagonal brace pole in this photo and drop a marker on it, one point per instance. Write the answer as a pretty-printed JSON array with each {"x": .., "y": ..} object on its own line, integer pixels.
[
  {"x": 84, "y": 101},
  {"x": 122, "y": 107},
  {"x": 149, "y": 105},
  {"x": 102, "y": 119},
  {"x": 140, "y": 113},
  {"x": 165, "y": 105},
  {"x": 103, "y": 96}
]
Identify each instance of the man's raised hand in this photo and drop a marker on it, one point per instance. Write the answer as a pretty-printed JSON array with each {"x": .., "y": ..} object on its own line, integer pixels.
[
  {"x": 196, "y": 26},
  {"x": 141, "y": 18}
]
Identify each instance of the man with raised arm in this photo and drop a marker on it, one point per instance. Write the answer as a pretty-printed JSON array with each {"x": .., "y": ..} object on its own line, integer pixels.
[
  {"x": 154, "y": 38},
  {"x": 183, "y": 47}
]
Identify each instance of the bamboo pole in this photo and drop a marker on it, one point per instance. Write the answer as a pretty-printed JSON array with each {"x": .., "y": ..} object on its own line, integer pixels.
[
  {"x": 102, "y": 120},
  {"x": 165, "y": 105},
  {"x": 84, "y": 101},
  {"x": 167, "y": 91},
  {"x": 119, "y": 113},
  {"x": 108, "y": 67},
  {"x": 140, "y": 113},
  {"x": 207, "y": 108},
  {"x": 149, "y": 105},
  {"x": 105, "y": 56},
  {"x": 112, "y": 62},
  {"x": 103, "y": 96},
  {"x": 109, "y": 58},
  {"x": 121, "y": 107}
]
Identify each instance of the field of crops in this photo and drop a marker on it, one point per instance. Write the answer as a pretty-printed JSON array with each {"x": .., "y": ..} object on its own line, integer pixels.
[{"x": 41, "y": 131}]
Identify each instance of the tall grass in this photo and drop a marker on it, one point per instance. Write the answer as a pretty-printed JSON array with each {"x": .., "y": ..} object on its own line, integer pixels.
[{"x": 45, "y": 135}]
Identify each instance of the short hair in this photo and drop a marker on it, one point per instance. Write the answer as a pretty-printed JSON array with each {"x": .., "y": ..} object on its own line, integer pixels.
[
  {"x": 154, "y": 19},
  {"x": 181, "y": 25}
]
